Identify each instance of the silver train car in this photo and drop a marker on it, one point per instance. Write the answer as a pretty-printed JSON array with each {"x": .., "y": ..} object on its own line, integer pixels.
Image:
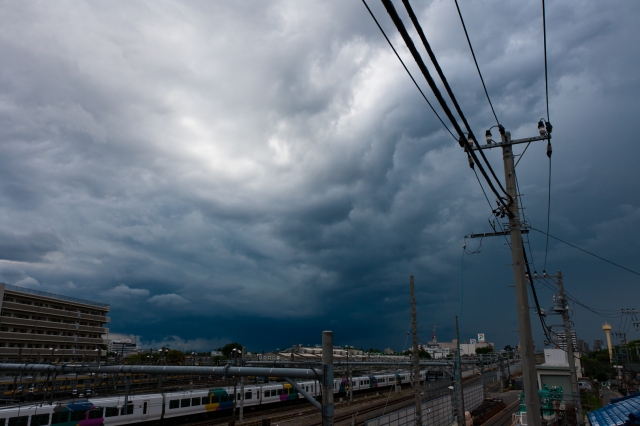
[{"x": 108, "y": 411}]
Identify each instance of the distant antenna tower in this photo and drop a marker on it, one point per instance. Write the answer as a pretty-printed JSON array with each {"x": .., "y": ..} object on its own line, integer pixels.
[{"x": 433, "y": 334}]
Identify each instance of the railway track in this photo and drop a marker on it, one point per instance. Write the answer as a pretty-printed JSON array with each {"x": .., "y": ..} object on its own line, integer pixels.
[
  {"x": 503, "y": 418},
  {"x": 371, "y": 409}
]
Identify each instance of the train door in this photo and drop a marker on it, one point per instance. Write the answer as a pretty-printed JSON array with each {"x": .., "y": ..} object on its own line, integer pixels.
[{"x": 145, "y": 409}]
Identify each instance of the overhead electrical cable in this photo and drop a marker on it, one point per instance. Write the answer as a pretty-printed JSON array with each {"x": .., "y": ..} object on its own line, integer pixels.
[
  {"x": 406, "y": 69},
  {"x": 585, "y": 251},
  {"x": 535, "y": 296},
  {"x": 432, "y": 56},
  {"x": 604, "y": 313},
  {"x": 546, "y": 87},
  {"x": 476, "y": 61},
  {"x": 423, "y": 68},
  {"x": 546, "y": 75},
  {"x": 522, "y": 155},
  {"x": 491, "y": 207},
  {"x": 546, "y": 249}
]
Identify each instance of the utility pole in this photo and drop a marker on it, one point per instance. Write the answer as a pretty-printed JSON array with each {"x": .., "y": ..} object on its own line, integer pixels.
[
  {"x": 234, "y": 353},
  {"x": 460, "y": 418},
  {"x": 529, "y": 379},
  {"x": 327, "y": 378},
  {"x": 240, "y": 417},
  {"x": 575, "y": 392},
  {"x": 416, "y": 359},
  {"x": 350, "y": 378}
]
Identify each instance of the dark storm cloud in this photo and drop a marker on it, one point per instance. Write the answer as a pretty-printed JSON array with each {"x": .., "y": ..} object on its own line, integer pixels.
[
  {"x": 29, "y": 247},
  {"x": 268, "y": 165}
]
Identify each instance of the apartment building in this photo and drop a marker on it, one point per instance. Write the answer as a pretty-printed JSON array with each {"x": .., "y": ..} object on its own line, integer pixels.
[{"x": 36, "y": 326}]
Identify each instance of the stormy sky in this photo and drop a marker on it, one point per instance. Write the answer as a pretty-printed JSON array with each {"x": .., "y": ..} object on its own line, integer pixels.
[{"x": 260, "y": 171}]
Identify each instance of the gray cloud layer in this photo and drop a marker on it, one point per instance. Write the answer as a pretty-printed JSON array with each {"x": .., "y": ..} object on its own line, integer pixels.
[{"x": 270, "y": 162}]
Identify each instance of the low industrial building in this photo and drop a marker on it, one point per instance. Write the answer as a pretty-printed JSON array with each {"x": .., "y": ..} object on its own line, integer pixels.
[
  {"x": 555, "y": 370},
  {"x": 465, "y": 348},
  {"x": 45, "y": 327},
  {"x": 123, "y": 347}
]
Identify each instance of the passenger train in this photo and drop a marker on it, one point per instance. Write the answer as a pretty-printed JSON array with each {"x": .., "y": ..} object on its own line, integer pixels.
[{"x": 107, "y": 411}]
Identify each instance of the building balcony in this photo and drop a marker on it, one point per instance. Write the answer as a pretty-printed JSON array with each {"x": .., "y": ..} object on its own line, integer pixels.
[
  {"x": 40, "y": 310},
  {"x": 60, "y": 326},
  {"x": 45, "y": 353},
  {"x": 6, "y": 336}
]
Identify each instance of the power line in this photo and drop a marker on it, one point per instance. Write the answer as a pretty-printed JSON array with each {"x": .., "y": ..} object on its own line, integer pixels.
[
  {"x": 546, "y": 87},
  {"x": 400, "y": 26},
  {"x": 544, "y": 34},
  {"x": 546, "y": 249},
  {"x": 604, "y": 313},
  {"x": 476, "y": 61},
  {"x": 588, "y": 252},
  {"x": 535, "y": 296},
  {"x": 406, "y": 69},
  {"x": 491, "y": 207}
]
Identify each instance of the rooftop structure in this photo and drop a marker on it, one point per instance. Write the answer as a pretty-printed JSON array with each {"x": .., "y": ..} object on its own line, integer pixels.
[{"x": 123, "y": 347}]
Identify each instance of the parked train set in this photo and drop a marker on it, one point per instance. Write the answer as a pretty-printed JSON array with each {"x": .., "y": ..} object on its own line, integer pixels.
[{"x": 169, "y": 406}]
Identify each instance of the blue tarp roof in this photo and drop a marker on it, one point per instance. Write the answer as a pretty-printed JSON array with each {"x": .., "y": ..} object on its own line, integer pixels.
[{"x": 620, "y": 411}]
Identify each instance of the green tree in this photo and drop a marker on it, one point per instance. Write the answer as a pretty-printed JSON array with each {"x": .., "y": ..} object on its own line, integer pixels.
[
  {"x": 597, "y": 365},
  {"x": 485, "y": 350},
  {"x": 424, "y": 354},
  {"x": 229, "y": 347},
  {"x": 175, "y": 357}
]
